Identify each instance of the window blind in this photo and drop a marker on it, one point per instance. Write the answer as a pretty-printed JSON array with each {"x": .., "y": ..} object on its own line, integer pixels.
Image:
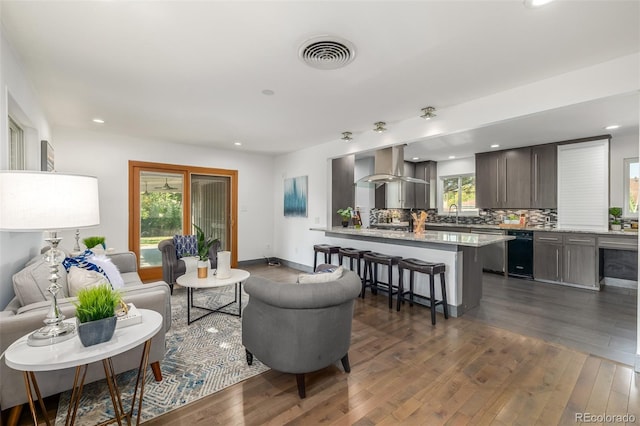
[{"x": 583, "y": 185}]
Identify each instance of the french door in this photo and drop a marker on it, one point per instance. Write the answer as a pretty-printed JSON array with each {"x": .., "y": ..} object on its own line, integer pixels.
[{"x": 167, "y": 199}]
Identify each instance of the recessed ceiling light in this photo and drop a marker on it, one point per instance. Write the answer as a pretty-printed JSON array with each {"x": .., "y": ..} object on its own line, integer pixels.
[
  {"x": 612, "y": 127},
  {"x": 451, "y": 157},
  {"x": 495, "y": 145},
  {"x": 98, "y": 120},
  {"x": 536, "y": 3},
  {"x": 415, "y": 158},
  {"x": 268, "y": 92},
  {"x": 379, "y": 126},
  {"x": 237, "y": 143}
]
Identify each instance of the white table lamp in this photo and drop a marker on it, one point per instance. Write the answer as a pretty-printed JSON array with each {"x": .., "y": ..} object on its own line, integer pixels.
[{"x": 44, "y": 201}]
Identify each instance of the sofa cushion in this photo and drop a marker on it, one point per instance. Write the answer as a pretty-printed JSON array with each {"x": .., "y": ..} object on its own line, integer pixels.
[
  {"x": 79, "y": 278},
  {"x": 324, "y": 276},
  {"x": 97, "y": 263},
  {"x": 31, "y": 283},
  {"x": 131, "y": 278},
  {"x": 186, "y": 245}
]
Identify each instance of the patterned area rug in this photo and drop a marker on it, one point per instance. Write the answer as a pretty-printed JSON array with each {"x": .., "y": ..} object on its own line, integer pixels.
[{"x": 201, "y": 359}]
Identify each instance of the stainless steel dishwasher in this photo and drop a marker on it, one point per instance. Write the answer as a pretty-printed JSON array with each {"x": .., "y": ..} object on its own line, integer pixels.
[{"x": 493, "y": 255}]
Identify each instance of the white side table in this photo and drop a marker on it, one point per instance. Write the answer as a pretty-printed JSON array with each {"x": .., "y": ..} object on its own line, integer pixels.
[
  {"x": 71, "y": 353},
  {"x": 191, "y": 282}
]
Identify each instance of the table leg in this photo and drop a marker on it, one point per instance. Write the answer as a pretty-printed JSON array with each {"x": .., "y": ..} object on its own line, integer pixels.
[
  {"x": 76, "y": 393},
  {"x": 112, "y": 392},
  {"x": 142, "y": 369},
  {"x": 30, "y": 380},
  {"x": 115, "y": 386}
]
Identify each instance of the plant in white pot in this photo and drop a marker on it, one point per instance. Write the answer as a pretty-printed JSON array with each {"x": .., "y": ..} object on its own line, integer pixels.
[
  {"x": 616, "y": 213},
  {"x": 95, "y": 314},
  {"x": 204, "y": 245}
]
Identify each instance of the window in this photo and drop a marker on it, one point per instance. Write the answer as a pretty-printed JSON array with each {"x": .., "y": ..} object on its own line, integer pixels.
[
  {"x": 631, "y": 176},
  {"x": 16, "y": 146},
  {"x": 459, "y": 190}
]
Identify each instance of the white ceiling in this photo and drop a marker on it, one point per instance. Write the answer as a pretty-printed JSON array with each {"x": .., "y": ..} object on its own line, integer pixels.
[{"x": 194, "y": 71}]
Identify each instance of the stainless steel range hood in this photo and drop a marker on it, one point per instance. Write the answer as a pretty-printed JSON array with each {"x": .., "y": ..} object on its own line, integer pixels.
[{"x": 388, "y": 167}]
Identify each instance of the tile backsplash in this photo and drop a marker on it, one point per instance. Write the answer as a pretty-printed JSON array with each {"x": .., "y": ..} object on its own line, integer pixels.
[{"x": 535, "y": 217}]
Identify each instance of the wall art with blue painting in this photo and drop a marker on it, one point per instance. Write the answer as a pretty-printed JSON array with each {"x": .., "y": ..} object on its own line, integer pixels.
[{"x": 295, "y": 197}]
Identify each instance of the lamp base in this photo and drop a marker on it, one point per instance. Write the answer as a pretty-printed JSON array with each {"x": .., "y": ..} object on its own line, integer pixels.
[{"x": 52, "y": 334}]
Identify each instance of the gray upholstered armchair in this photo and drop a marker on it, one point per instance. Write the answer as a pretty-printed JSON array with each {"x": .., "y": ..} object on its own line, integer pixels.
[
  {"x": 299, "y": 328},
  {"x": 172, "y": 267}
]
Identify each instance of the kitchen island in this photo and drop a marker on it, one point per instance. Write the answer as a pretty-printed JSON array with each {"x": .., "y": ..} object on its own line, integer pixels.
[{"x": 459, "y": 251}]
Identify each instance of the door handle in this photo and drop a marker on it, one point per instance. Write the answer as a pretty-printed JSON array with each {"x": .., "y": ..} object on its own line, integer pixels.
[
  {"x": 535, "y": 177},
  {"x": 557, "y": 264}
]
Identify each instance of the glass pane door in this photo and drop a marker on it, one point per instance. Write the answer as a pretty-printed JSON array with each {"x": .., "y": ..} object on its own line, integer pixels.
[
  {"x": 210, "y": 199},
  {"x": 161, "y": 208}
]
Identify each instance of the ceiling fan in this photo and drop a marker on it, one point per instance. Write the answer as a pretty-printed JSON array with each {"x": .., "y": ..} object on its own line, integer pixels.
[{"x": 166, "y": 186}]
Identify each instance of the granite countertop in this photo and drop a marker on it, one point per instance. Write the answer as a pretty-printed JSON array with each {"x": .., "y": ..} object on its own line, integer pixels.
[
  {"x": 433, "y": 237},
  {"x": 532, "y": 228}
]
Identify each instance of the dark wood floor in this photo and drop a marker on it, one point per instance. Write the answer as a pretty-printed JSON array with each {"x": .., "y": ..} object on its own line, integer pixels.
[
  {"x": 461, "y": 371},
  {"x": 601, "y": 323}
]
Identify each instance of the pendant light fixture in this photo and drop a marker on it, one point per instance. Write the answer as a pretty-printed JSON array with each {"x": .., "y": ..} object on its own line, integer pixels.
[
  {"x": 346, "y": 136},
  {"x": 379, "y": 126},
  {"x": 428, "y": 112}
]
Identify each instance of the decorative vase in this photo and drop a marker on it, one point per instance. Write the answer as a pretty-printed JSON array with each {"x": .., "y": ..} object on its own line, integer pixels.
[
  {"x": 224, "y": 264},
  {"x": 203, "y": 268},
  {"x": 345, "y": 223},
  {"x": 94, "y": 332},
  {"x": 615, "y": 227}
]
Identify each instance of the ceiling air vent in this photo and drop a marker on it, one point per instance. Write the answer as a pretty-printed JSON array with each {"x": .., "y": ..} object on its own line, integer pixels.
[{"x": 327, "y": 52}]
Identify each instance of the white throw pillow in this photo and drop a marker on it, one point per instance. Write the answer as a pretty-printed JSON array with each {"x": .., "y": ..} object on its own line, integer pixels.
[
  {"x": 321, "y": 277},
  {"x": 79, "y": 278},
  {"x": 110, "y": 270}
]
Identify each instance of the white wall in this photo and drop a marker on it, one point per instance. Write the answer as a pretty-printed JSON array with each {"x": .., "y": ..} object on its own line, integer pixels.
[
  {"x": 621, "y": 147},
  {"x": 107, "y": 157},
  {"x": 18, "y": 99}
]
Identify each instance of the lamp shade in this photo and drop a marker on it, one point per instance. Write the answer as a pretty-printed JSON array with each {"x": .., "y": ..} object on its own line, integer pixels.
[{"x": 44, "y": 201}]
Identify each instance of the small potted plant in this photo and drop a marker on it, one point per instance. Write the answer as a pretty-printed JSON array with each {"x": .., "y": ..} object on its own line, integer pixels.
[
  {"x": 95, "y": 314},
  {"x": 91, "y": 242},
  {"x": 615, "y": 213},
  {"x": 346, "y": 215},
  {"x": 204, "y": 244}
]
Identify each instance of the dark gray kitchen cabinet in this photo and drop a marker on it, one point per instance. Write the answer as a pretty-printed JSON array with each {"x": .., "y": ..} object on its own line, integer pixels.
[
  {"x": 342, "y": 188},
  {"x": 503, "y": 179},
  {"x": 487, "y": 165},
  {"x": 547, "y": 256},
  {"x": 580, "y": 260},
  {"x": 565, "y": 258},
  {"x": 425, "y": 194},
  {"x": 544, "y": 176}
]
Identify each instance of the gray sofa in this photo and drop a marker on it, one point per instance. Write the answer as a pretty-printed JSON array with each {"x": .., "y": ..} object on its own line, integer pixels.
[
  {"x": 17, "y": 320},
  {"x": 299, "y": 328}
]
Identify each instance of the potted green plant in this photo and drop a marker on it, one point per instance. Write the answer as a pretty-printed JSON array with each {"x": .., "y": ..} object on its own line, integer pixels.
[
  {"x": 346, "y": 215},
  {"x": 95, "y": 314},
  {"x": 615, "y": 212},
  {"x": 91, "y": 242},
  {"x": 204, "y": 244}
]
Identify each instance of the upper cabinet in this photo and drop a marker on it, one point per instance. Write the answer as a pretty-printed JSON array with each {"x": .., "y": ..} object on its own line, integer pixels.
[
  {"x": 503, "y": 179},
  {"x": 426, "y": 194},
  {"x": 544, "y": 176}
]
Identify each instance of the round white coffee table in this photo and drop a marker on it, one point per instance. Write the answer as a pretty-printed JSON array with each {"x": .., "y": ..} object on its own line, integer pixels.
[
  {"x": 71, "y": 353},
  {"x": 191, "y": 282}
]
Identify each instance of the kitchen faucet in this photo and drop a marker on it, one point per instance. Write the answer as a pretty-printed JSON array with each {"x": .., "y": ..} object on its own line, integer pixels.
[{"x": 450, "y": 207}]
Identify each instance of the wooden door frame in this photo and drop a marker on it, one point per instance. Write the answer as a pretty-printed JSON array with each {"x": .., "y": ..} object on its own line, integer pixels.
[{"x": 135, "y": 167}]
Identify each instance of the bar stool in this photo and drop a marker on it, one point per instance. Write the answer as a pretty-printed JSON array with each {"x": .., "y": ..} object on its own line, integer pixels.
[
  {"x": 352, "y": 254},
  {"x": 328, "y": 251},
  {"x": 431, "y": 269},
  {"x": 371, "y": 262}
]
